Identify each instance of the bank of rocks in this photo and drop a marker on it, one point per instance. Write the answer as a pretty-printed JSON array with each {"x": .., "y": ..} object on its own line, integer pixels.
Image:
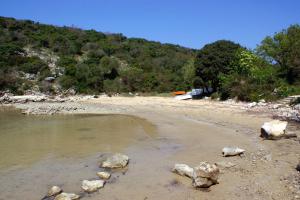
[
  {"x": 108, "y": 162},
  {"x": 41, "y": 104},
  {"x": 51, "y": 109},
  {"x": 279, "y": 110},
  {"x": 8, "y": 98}
]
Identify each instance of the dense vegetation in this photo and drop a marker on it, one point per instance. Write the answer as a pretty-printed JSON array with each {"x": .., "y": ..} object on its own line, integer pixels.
[
  {"x": 92, "y": 62},
  {"x": 269, "y": 72}
]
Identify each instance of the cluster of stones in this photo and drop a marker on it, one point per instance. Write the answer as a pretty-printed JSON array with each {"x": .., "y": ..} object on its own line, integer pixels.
[
  {"x": 205, "y": 174},
  {"x": 89, "y": 186}
]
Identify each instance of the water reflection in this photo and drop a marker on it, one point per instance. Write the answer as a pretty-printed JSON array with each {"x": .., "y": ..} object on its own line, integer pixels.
[{"x": 26, "y": 139}]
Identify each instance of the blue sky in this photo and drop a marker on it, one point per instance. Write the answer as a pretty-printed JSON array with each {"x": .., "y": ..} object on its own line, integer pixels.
[{"x": 190, "y": 23}]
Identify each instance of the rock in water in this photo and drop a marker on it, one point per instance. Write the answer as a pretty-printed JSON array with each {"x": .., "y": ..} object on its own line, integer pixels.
[
  {"x": 54, "y": 190},
  {"x": 205, "y": 175},
  {"x": 103, "y": 175},
  {"x": 116, "y": 161},
  {"x": 183, "y": 170},
  {"x": 92, "y": 186},
  {"x": 67, "y": 196},
  {"x": 273, "y": 129},
  {"x": 232, "y": 151}
]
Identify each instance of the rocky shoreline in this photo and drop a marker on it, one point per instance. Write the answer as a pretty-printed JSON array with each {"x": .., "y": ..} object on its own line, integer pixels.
[
  {"x": 198, "y": 126},
  {"x": 49, "y": 105}
]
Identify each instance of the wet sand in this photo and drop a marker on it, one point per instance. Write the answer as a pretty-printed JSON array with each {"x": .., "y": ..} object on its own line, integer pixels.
[{"x": 187, "y": 132}]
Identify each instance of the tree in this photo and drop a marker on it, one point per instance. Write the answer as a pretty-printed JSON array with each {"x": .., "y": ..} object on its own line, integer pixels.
[
  {"x": 250, "y": 78},
  {"x": 132, "y": 79},
  {"x": 215, "y": 58},
  {"x": 283, "y": 49},
  {"x": 189, "y": 73}
]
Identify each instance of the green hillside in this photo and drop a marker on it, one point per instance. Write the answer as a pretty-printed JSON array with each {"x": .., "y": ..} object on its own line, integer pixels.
[
  {"x": 53, "y": 59},
  {"x": 86, "y": 60}
]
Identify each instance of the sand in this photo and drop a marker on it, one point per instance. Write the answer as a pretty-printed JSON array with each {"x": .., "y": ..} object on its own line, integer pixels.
[{"x": 190, "y": 132}]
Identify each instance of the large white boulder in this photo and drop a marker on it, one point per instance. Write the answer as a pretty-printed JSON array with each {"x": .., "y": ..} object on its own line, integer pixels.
[
  {"x": 183, "y": 170},
  {"x": 232, "y": 151},
  {"x": 273, "y": 129},
  {"x": 205, "y": 175},
  {"x": 67, "y": 196},
  {"x": 92, "y": 186},
  {"x": 116, "y": 161}
]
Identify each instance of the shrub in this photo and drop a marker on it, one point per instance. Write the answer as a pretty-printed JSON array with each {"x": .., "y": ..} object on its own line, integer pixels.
[{"x": 33, "y": 65}]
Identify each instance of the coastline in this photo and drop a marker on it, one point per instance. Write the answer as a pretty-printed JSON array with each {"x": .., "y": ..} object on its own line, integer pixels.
[{"x": 190, "y": 132}]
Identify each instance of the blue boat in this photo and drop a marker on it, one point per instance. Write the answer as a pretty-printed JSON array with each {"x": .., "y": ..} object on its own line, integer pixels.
[{"x": 200, "y": 92}]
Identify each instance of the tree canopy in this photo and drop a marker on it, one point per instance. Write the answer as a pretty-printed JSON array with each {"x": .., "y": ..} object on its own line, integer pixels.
[
  {"x": 283, "y": 49},
  {"x": 90, "y": 58},
  {"x": 214, "y": 59}
]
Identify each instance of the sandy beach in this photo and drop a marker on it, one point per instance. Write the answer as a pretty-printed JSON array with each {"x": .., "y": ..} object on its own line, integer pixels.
[{"x": 187, "y": 132}]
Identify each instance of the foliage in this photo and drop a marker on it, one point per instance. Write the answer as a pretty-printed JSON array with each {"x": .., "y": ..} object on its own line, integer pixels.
[
  {"x": 214, "y": 59},
  {"x": 91, "y": 60},
  {"x": 189, "y": 73},
  {"x": 283, "y": 49},
  {"x": 94, "y": 62},
  {"x": 33, "y": 65},
  {"x": 132, "y": 79},
  {"x": 112, "y": 86},
  {"x": 250, "y": 79}
]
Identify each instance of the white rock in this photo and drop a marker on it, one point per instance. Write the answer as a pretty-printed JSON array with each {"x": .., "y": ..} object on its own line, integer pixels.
[
  {"x": 262, "y": 101},
  {"x": 103, "y": 175},
  {"x": 67, "y": 196},
  {"x": 273, "y": 129},
  {"x": 275, "y": 106},
  {"x": 251, "y": 105},
  {"x": 232, "y": 151},
  {"x": 92, "y": 186},
  {"x": 297, "y": 107},
  {"x": 116, "y": 161},
  {"x": 183, "y": 170},
  {"x": 262, "y": 104},
  {"x": 54, "y": 190},
  {"x": 28, "y": 98},
  {"x": 202, "y": 182},
  {"x": 205, "y": 175},
  {"x": 49, "y": 79}
]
